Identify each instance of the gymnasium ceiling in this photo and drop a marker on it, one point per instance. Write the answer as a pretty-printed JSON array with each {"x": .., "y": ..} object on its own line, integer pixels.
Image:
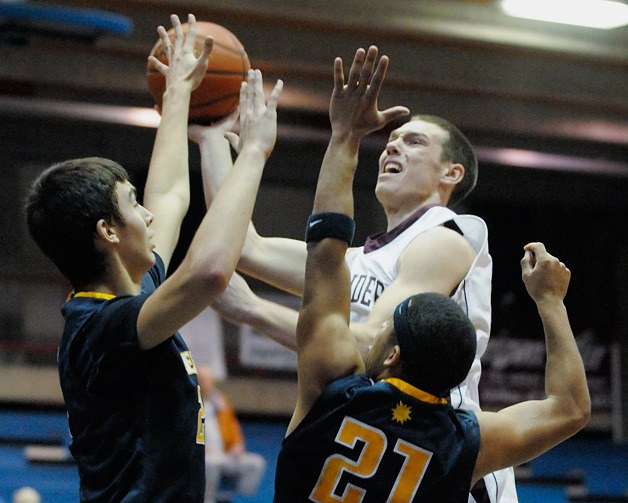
[{"x": 528, "y": 93}]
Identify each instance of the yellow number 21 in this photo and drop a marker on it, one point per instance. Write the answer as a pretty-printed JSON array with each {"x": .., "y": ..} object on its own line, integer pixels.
[{"x": 375, "y": 444}]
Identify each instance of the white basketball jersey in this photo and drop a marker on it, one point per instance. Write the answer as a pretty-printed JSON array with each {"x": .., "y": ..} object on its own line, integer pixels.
[{"x": 376, "y": 269}]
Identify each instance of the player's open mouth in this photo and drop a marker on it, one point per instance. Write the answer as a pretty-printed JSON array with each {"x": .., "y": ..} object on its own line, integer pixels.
[{"x": 392, "y": 167}]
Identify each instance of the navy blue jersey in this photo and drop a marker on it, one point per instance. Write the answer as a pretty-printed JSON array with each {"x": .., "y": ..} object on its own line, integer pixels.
[
  {"x": 136, "y": 417},
  {"x": 378, "y": 442}
]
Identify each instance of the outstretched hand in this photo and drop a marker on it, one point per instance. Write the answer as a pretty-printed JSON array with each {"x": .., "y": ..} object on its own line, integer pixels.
[
  {"x": 545, "y": 276},
  {"x": 353, "y": 106},
  {"x": 258, "y": 121},
  {"x": 183, "y": 64}
]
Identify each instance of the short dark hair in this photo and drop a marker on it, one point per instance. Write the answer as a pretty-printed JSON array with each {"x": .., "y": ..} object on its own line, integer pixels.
[
  {"x": 456, "y": 149},
  {"x": 437, "y": 342},
  {"x": 63, "y": 207}
]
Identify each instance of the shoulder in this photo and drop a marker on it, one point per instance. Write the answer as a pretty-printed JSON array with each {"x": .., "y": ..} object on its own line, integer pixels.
[
  {"x": 474, "y": 229},
  {"x": 339, "y": 392},
  {"x": 439, "y": 243},
  {"x": 104, "y": 324}
]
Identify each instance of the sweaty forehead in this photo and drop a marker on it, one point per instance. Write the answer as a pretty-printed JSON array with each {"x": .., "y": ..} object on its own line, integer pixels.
[{"x": 421, "y": 127}]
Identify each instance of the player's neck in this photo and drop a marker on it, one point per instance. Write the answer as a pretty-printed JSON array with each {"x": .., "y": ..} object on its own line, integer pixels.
[
  {"x": 116, "y": 281},
  {"x": 396, "y": 214}
]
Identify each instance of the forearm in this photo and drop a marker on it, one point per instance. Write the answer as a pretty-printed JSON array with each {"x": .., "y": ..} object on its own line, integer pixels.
[
  {"x": 280, "y": 262},
  {"x": 334, "y": 190},
  {"x": 168, "y": 170},
  {"x": 275, "y": 321},
  {"x": 565, "y": 377},
  {"x": 216, "y": 162}
]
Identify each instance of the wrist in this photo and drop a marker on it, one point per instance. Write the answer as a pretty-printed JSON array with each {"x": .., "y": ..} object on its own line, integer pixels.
[
  {"x": 347, "y": 139},
  {"x": 550, "y": 303},
  {"x": 177, "y": 93},
  {"x": 255, "y": 149},
  {"x": 329, "y": 224}
]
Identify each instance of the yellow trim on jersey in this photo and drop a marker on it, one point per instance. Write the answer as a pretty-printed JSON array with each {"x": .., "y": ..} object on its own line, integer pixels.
[
  {"x": 94, "y": 295},
  {"x": 424, "y": 396}
]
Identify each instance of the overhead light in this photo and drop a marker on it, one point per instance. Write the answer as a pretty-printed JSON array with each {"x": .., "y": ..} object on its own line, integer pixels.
[{"x": 603, "y": 14}]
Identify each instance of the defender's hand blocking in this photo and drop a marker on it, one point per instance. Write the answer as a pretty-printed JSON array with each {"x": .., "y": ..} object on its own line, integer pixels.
[
  {"x": 353, "y": 106},
  {"x": 183, "y": 65},
  {"x": 258, "y": 122},
  {"x": 545, "y": 277}
]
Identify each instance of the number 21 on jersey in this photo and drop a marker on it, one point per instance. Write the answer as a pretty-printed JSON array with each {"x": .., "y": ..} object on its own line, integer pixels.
[{"x": 375, "y": 443}]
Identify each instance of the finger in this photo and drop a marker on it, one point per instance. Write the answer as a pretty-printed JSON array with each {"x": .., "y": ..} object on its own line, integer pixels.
[
  {"x": 190, "y": 39},
  {"x": 394, "y": 113},
  {"x": 165, "y": 41},
  {"x": 356, "y": 67},
  {"x": 195, "y": 132},
  {"x": 527, "y": 263},
  {"x": 274, "y": 96},
  {"x": 233, "y": 139},
  {"x": 367, "y": 68},
  {"x": 339, "y": 76},
  {"x": 178, "y": 31},
  {"x": 159, "y": 66},
  {"x": 259, "y": 92},
  {"x": 244, "y": 104},
  {"x": 163, "y": 35},
  {"x": 378, "y": 78},
  {"x": 250, "y": 94},
  {"x": 207, "y": 48},
  {"x": 535, "y": 247}
]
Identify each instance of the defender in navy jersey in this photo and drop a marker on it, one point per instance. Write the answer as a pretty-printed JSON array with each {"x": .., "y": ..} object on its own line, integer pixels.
[
  {"x": 379, "y": 429},
  {"x": 390, "y": 441},
  {"x": 129, "y": 382},
  {"x": 105, "y": 376}
]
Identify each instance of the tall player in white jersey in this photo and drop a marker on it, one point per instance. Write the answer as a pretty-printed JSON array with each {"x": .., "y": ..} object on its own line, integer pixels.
[{"x": 427, "y": 165}]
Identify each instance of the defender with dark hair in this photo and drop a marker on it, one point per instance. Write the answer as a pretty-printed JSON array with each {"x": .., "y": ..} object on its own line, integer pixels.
[
  {"x": 129, "y": 382},
  {"x": 64, "y": 206},
  {"x": 441, "y": 357}
]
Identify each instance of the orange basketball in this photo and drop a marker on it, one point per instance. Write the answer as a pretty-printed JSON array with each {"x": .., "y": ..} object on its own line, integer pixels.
[{"x": 219, "y": 92}]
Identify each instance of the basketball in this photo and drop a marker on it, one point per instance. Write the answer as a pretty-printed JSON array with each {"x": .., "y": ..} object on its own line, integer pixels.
[{"x": 219, "y": 92}]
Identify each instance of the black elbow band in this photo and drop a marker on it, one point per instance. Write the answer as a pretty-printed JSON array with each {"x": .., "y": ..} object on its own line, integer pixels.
[{"x": 330, "y": 225}]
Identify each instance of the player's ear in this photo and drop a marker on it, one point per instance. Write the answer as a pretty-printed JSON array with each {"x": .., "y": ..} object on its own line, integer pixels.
[
  {"x": 453, "y": 174},
  {"x": 393, "y": 359},
  {"x": 106, "y": 232}
]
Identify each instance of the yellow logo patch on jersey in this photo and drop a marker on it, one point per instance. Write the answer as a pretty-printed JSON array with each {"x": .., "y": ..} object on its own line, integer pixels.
[
  {"x": 188, "y": 362},
  {"x": 401, "y": 412}
]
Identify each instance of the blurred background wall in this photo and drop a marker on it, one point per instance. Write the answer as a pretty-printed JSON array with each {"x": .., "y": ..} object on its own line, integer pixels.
[{"x": 545, "y": 104}]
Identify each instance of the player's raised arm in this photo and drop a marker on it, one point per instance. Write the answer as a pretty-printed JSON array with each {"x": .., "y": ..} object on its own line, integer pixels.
[
  {"x": 523, "y": 431},
  {"x": 326, "y": 349},
  {"x": 167, "y": 190},
  {"x": 214, "y": 251}
]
